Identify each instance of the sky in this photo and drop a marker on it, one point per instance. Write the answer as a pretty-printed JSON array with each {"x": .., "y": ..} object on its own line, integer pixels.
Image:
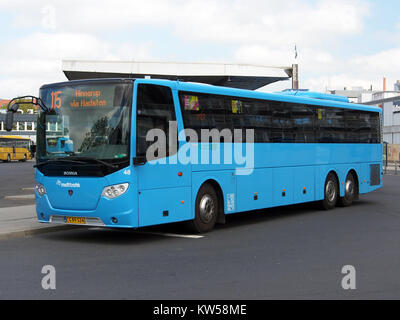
[{"x": 340, "y": 43}]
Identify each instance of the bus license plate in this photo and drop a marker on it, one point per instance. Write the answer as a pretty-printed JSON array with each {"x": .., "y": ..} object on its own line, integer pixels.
[{"x": 75, "y": 220}]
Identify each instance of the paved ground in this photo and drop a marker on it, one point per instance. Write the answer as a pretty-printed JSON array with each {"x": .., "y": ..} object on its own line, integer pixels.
[
  {"x": 21, "y": 221},
  {"x": 294, "y": 252},
  {"x": 16, "y": 178}
]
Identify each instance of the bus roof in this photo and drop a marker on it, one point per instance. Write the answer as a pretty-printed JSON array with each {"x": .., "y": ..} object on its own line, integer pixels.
[{"x": 312, "y": 98}]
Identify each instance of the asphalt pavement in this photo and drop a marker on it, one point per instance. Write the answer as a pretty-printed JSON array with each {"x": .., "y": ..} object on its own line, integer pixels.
[
  {"x": 295, "y": 252},
  {"x": 16, "y": 183}
]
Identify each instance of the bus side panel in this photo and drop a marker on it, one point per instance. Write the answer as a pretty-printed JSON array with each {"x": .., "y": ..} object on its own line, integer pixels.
[
  {"x": 159, "y": 206},
  {"x": 304, "y": 184},
  {"x": 254, "y": 191},
  {"x": 366, "y": 183},
  {"x": 363, "y": 178},
  {"x": 227, "y": 182},
  {"x": 283, "y": 191}
]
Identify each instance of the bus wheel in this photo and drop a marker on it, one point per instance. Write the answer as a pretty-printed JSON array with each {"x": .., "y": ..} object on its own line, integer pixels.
[
  {"x": 349, "y": 191},
  {"x": 331, "y": 192},
  {"x": 206, "y": 210}
]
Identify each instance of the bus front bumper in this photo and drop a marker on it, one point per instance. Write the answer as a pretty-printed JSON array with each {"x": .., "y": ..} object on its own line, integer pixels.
[{"x": 116, "y": 213}]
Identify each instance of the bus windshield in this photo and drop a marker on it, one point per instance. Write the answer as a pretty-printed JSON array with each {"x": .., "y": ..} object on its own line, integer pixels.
[{"x": 86, "y": 119}]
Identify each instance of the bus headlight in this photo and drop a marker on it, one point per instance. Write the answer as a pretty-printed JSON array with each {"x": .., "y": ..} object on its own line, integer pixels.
[
  {"x": 40, "y": 189},
  {"x": 112, "y": 192}
]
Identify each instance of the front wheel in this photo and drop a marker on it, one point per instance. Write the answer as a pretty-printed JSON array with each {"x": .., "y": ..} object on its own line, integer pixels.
[
  {"x": 331, "y": 192},
  {"x": 206, "y": 210}
]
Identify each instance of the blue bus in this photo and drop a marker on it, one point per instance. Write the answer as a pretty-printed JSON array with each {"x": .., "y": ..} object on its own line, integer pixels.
[
  {"x": 59, "y": 145},
  {"x": 137, "y": 159}
]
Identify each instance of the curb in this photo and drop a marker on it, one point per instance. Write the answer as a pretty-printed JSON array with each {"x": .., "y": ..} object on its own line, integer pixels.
[{"x": 34, "y": 231}]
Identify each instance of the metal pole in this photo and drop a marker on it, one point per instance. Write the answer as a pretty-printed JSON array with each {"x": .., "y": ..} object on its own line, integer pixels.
[
  {"x": 386, "y": 144},
  {"x": 295, "y": 77}
]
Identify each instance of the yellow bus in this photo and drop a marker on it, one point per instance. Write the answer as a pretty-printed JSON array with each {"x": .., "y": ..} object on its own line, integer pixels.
[{"x": 15, "y": 148}]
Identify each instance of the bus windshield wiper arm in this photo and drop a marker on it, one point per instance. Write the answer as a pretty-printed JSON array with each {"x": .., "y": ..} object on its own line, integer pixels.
[
  {"x": 77, "y": 158},
  {"x": 57, "y": 161}
]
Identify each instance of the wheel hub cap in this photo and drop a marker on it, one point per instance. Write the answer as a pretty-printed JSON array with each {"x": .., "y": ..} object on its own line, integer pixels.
[
  {"x": 330, "y": 191},
  {"x": 207, "y": 208}
]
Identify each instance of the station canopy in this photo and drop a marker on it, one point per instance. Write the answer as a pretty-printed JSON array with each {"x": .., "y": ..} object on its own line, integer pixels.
[{"x": 242, "y": 76}]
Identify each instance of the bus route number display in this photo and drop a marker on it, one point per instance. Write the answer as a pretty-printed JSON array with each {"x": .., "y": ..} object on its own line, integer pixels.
[{"x": 78, "y": 99}]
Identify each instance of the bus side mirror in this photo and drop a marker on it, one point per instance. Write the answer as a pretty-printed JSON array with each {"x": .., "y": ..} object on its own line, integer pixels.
[
  {"x": 9, "y": 120},
  {"x": 14, "y": 108}
]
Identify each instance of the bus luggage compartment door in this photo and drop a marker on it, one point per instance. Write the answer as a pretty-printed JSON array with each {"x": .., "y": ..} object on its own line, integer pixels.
[
  {"x": 164, "y": 192},
  {"x": 159, "y": 206}
]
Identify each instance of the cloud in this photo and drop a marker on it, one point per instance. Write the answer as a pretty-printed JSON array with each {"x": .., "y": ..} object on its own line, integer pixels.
[
  {"x": 310, "y": 58},
  {"x": 234, "y": 21},
  {"x": 251, "y": 31},
  {"x": 36, "y": 58},
  {"x": 386, "y": 62}
]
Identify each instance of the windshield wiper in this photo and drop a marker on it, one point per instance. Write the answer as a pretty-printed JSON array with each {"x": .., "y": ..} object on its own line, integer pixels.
[
  {"x": 57, "y": 161},
  {"x": 77, "y": 158}
]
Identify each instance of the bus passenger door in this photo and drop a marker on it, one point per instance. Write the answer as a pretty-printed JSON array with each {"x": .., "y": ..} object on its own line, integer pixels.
[{"x": 164, "y": 192}]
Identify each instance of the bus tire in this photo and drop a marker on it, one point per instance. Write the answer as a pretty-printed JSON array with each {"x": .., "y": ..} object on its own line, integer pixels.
[
  {"x": 206, "y": 210},
  {"x": 331, "y": 192},
  {"x": 350, "y": 191}
]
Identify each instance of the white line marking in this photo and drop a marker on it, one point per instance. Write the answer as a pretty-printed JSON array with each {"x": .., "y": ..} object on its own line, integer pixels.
[
  {"x": 164, "y": 234},
  {"x": 21, "y": 197},
  {"x": 28, "y": 189},
  {"x": 173, "y": 235}
]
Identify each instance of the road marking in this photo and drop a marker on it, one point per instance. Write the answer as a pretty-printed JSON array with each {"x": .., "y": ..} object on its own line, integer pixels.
[
  {"x": 172, "y": 235},
  {"x": 164, "y": 234},
  {"x": 28, "y": 189},
  {"x": 21, "y": 197}
]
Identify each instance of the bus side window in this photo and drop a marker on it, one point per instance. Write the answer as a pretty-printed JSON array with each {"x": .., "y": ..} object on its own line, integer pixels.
[
  {"x": 331, "y": 125},
  {"x": 352, "y": 120},
  {"x": 303, "y": 122},
  {"x": 206, "y": 111},
  {"x": 258, "y": 116},
  {"x": 282, "y": 125}
]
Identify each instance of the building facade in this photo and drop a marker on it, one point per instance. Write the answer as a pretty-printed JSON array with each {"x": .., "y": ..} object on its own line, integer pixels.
[
  {"x": 391, "y": 118},
  {"x": 24, "y": 125}
]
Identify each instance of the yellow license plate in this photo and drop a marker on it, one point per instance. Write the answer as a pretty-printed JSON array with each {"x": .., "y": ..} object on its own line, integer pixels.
[{"x": 75, "y": 220}]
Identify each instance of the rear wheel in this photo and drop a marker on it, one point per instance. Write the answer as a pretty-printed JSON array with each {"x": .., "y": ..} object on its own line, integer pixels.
[
  {"x": 206, "y": 210},
  {"x": 350, "y": 191},
  {"x": 331, "y": 192}
]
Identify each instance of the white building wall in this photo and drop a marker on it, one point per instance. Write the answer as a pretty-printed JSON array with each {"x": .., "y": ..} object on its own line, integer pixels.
[
  {"x": 388, "y": 138},
  {"x": 388, "y": 114}
]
